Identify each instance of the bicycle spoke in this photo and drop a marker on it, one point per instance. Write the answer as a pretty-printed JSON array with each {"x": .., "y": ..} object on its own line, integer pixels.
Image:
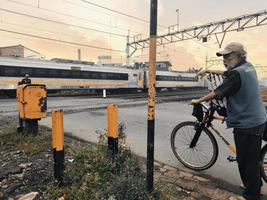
[{"x": 201, "y": 156}]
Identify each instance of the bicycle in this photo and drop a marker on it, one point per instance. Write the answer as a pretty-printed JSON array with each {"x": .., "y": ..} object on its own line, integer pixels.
[{"x": 193, "y": 142}]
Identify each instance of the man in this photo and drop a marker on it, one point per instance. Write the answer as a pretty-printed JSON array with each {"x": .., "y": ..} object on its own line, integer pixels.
[
  {"x": 245, "y": 114},
  {"x": 26, "y": 80}
]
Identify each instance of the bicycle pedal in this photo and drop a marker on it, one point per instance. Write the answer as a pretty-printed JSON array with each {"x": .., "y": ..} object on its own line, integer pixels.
[{"x": 231, "y": 158}]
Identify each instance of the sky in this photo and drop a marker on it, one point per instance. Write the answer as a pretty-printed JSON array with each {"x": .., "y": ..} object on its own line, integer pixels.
[{"x": 78, "y": 21}]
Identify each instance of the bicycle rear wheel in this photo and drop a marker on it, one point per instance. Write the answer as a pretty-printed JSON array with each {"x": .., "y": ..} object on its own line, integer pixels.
[
  {"x": 200, "y": 157},
  {"x": 263, "y": 160}
]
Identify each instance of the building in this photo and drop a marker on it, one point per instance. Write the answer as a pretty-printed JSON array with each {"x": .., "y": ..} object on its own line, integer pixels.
[
  {"x": 20, "y": 51},
  {"x": 160, "y": 65}
]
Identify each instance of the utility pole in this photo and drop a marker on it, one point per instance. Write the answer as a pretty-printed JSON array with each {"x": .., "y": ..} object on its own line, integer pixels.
[
  {"x": 127, "y": 49},
  {"x": 177, "y": 10},
  {"x": 79, "y": 54},
  {"x": 151, "y": 94}
]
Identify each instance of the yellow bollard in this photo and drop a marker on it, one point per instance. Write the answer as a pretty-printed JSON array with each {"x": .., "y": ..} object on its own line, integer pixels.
[
  {"x": 58, "y": 145},
  {"x": 57, "y": 130},
  {"x": 112, "y": 119}
]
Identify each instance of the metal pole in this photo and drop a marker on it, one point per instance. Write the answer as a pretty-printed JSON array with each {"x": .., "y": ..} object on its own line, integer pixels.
[
  {"x": 177, "y": 10},
  {"x": 151, "y": 94},
  {"x": 127, "y": 50}
]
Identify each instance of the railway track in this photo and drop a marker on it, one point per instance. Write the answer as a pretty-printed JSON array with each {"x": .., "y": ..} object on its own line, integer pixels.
[
  {"x": 140, "y": 99},
  {"x": 8, "y": 107},
  {"x": 180, "y": 94}
]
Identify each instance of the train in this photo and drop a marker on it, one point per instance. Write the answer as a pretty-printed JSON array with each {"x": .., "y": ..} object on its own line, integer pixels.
[{"x": 76, "y": 76}]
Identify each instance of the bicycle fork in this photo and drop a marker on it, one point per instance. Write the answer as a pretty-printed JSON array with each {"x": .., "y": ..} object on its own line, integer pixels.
[{"x": 199, "y": 128}]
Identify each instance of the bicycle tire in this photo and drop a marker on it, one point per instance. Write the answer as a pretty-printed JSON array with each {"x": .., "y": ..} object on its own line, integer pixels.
[
  {"x": 263, "y": 163},
  {"x": 206, "y": 135}
]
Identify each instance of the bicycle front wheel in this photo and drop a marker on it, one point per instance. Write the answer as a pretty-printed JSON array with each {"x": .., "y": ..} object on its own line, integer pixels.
[
  {"x": 200, "y": 157},
  {"x": 263, "y": 162}
]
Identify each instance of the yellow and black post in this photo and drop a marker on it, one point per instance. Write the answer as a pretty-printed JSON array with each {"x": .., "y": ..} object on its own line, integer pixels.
[
  {"x": 151, "y": 94},
  {"x": 112, "y": 119},
  {"x": 58, "y": 145}
]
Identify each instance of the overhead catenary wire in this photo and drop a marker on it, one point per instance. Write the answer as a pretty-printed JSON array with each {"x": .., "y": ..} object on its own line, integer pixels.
[
  {"x": 68, "y": 15},
  {"x": 38, "y": 29},
  {"x": 63, "y": 41},
  {"x": 119, "y": 12},
  {"x": 54, "y": 43},
  {"x": 80, "y": 6},
  {"x": 62, "y": 23}
]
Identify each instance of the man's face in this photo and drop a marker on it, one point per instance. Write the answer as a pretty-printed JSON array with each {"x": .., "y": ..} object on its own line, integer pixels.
[{"x": 230, "y": 60}]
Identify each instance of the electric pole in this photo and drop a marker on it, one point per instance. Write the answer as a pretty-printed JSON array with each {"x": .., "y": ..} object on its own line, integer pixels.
[{"x": 151, "y": 94}]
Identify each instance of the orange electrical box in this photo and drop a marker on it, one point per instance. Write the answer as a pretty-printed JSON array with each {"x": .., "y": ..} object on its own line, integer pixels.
[{"x": 32, "y": 101}]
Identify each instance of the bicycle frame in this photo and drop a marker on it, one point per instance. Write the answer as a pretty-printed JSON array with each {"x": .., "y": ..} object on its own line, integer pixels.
[{"x": 207, "y": 121}]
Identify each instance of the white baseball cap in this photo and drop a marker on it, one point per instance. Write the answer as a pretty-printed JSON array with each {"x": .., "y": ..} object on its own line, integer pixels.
[{"x": 233, "y": 47}]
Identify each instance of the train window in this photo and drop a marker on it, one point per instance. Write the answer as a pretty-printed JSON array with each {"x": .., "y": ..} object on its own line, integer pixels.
[
  {"x": 10, "y": 72},
  {"x": 110, "y": 76},
  {"x": 39, "y": 72},
  {"x": 174, "y": 78},
  {"x": 95, "y": 75},
  {"x": 53, "y": 73},
  {"x": 65, "y": 74},
  {"x": 116, "y": 76},
  {"x": 25, "y": 70},
  {"x": 75, "y": 74},
  {"x": 103, "y": 75},
  {"x": 17, "y": 71},
  {"x": 85, "y": 74}
]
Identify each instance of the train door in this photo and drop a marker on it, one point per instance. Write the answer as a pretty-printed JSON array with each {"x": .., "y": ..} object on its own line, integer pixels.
[
  {"x": 140, "y": 79},
  {"x": 145, "y": 79}
]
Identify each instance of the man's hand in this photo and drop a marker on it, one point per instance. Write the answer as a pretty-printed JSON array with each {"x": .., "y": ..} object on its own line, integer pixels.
[
  {"x": 195, "y": 101},
  {"x": 202, "y": 73}
]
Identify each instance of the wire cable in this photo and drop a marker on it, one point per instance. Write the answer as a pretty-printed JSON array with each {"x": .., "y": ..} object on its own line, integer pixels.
[
  {"x": 119, "y": 12},
  {"x": 63, "y": 41},
  {"x": 62, "y": 23},
  {"x": 60, "y": 13},
  {"x": 39, "y": 29}
]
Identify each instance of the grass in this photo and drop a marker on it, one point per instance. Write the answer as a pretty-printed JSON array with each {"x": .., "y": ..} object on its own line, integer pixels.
[
  {"x": 31, "y": 145},
  {"x": 90, "y": 171},
  {"x": 94, "y": 174}
]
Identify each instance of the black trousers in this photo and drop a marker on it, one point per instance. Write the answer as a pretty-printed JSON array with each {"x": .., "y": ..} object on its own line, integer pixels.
[{"x": 248, "y": 145}]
